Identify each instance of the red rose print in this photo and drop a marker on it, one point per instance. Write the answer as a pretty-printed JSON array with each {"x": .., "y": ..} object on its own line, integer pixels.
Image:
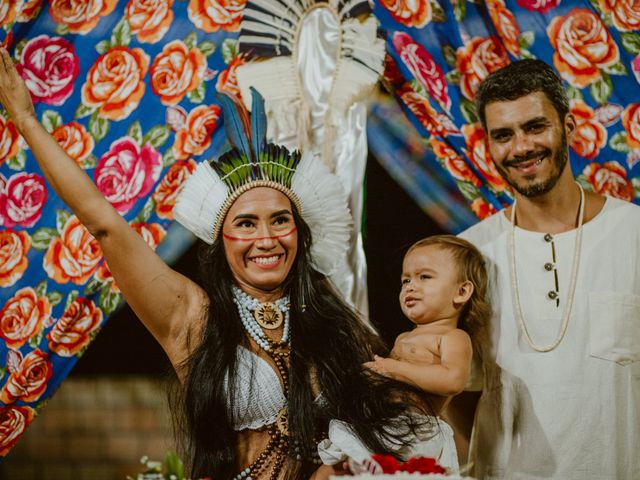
[
  {"x": 631, "y": 124},
  {"x": 228, "y": 81},
  {"x": 608, "y": 114},
  {"x": 582, "y": 46},
  {"x": 540, "y": 6},
  {"x": 72, "y": 332},
  {"x": 176, "y": 71},
  {"x": 9, "y": 139},
  {"x": 8, "y": 10},
  {"x": 103, "y": 275},
  {"x": 23, "y": 316},
  {"x": 609, "y": 178},
  {"x": 13, "y": 422},
  {"x": 482, "y": 208},
  {"x": 476, "y": 60},
  {"x": 75, "y": 140},
  {"x": 29, "y": 10},
  {"x": 635, "y": 66},
  {"x": 152, "y": 233},
  {"x": 7, "y": 42},
  {"x": 416, "y": 13},
  {"x": 422, "y": 109},
  {"x": 624, "y": 13},
  {"x": 149, "y": 19},
  {"x": 195, "y": 135},
  {"x": 213, "y": 15},
  {"x": 115, "y": 82},
  {"x": 169, "y": 187},
  {"x": 81, "y": 16},
  {"x": 49, "y": 67},
  {"x": 505, "y": 24},
  {"x": 29, "y": 381},
  {"x": 423, "y": 67},
  {"x": 453, "y": 162},
  {"x": 22, "y": 199},
  {"x": 590, "y": 135},
  {"x": 13, "y": 256},
  {"x": 478, "y": 153},
  {"x": 127, "y": 172},
  {"x": 74, "y": 256},
  {"x": 392, "y": 75}
]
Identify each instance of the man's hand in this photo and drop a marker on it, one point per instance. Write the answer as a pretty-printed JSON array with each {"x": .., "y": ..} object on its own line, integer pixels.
[{"x": 14, "y": 95}]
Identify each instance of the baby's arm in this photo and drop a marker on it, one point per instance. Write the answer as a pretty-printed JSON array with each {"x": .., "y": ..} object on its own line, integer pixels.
[{"x": 447, "y": 378}]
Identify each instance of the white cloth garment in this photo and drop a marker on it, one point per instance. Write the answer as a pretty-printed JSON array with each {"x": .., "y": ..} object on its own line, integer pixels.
[
  {"x": 258, "y": 394},
  {"x": 434, "y": 442},
  {"x": 316, "y": 102},
  {"x": 573, "y": 412}
]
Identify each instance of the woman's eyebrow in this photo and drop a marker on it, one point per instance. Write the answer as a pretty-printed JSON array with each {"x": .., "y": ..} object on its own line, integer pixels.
[
  {"x": 245, "y": 216},
  {"x": 281, "y": 212}
]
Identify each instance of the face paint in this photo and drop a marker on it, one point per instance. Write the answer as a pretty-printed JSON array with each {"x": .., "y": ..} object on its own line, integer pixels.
[{"x": 260, "y": 239}]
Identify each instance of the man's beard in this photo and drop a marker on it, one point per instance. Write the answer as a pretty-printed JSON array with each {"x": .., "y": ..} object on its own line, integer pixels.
[{"x": 559, "y": 162}]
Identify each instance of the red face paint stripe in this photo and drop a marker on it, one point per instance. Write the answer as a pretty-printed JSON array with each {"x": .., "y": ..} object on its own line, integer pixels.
[{"x": 238, "y": 239}]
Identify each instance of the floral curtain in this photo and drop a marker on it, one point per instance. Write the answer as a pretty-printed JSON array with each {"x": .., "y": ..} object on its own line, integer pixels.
[
  {"x": 407, "y": 158},
  {"x": 440, "y": 51},
  {"x": 127, "y": 89}
]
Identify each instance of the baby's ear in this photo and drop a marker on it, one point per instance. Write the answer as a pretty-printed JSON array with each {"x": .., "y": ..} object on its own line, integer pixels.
[{"x": 465, "y": 290}]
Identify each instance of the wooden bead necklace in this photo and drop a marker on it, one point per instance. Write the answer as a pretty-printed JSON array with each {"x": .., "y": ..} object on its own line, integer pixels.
[{"x": 273, "y": 455}]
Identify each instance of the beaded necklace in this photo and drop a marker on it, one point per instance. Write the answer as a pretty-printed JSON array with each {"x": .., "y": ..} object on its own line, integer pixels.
[
  {"x": 572, "y": 282},
  {"x": 274, "y": 453},
  {"x": 247, "y": 304}
]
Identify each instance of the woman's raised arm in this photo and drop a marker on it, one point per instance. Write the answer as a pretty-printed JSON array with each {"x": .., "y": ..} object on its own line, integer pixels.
[{"x": 168, "y": 303}]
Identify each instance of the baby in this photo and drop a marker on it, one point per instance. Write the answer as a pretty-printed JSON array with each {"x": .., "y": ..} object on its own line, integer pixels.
[{"x": 444, "y": 283}]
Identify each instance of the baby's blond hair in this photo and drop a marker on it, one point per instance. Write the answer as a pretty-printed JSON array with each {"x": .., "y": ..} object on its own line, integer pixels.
[{"x": 471, "y": 267}]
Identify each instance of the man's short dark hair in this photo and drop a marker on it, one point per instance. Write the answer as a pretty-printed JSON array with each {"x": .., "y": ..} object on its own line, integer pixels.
[{"x": 519, "y": 79}]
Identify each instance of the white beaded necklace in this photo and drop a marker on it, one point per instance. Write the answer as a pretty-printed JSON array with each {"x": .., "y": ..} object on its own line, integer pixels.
[
  {"x": 246, "y": 304},
  {"x": 572, "y": 284}
]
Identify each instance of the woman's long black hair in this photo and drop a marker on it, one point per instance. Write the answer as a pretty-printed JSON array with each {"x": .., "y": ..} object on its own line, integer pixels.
[{"x": 329, "y": 343}]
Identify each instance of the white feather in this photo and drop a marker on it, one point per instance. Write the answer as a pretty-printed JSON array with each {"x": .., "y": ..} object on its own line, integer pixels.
[
  {"x": 325, "y": 209},
  {"x": 200, "y": 202}
]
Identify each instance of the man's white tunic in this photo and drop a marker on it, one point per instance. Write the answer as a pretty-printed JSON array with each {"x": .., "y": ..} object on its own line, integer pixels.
[{"x": 574, "y": 412}]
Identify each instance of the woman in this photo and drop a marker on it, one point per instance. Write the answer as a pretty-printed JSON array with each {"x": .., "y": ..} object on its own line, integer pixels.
[{"x": 266, "y": 352}]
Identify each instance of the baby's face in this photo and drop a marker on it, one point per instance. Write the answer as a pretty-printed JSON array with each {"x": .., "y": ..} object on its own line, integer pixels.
[{"x": 430, "y": 283}]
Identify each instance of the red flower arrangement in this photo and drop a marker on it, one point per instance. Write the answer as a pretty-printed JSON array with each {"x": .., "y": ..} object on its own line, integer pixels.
[{"x": 425, "y": 465}]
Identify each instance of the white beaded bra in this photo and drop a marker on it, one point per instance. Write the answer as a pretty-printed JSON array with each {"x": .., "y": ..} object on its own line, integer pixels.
[{"x": 258, "y": 395}]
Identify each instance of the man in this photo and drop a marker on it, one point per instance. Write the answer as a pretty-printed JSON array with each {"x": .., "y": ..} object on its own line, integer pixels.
[{"x": 561, "y": 358}]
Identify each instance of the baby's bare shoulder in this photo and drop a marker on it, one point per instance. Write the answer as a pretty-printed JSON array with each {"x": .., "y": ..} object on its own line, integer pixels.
[{"x": 456, "y": 334}]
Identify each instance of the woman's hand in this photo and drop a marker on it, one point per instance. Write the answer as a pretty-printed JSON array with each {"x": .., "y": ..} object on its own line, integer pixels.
[
  {"x": 14, "y": 94},
  {"x": 378, "y": 365},
  {"x": 326, "y": 471}
]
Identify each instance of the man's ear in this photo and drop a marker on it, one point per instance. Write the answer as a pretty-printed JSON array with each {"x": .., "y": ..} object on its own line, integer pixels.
[
  {"x": 465, "y": 290},
  {"x": 570, "y": 126}
]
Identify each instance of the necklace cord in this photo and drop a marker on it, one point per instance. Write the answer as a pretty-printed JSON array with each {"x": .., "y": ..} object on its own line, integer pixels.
[{"x": 572, "y": 285}]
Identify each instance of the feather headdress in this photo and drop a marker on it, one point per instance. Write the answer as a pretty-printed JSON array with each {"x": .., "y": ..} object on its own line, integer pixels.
[{"x": 252, "y": 162}]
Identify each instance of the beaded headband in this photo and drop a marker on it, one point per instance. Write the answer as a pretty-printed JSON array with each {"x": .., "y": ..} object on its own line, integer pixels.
[{"x": 317, "y": 194}]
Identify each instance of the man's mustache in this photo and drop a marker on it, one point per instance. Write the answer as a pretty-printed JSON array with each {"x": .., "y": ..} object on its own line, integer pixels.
[{"x": 527, "y": 157}]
